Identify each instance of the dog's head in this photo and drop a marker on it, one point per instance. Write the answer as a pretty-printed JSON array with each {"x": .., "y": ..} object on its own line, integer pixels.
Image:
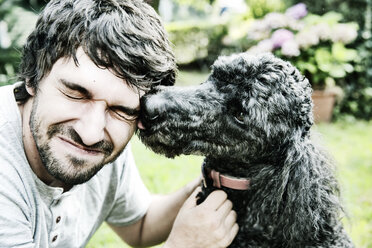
[{"x": 248, "y": 109}]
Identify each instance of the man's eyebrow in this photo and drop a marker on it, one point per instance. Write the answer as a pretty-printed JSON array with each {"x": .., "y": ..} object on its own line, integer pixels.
[{"x": 76, "y": 87}]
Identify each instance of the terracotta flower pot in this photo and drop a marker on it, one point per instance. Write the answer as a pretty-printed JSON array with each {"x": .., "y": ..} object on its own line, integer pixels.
[{"x": 323, "y": 105}]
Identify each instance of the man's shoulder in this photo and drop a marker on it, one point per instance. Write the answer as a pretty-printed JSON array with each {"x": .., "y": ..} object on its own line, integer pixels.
[
  {"x": 6, "y": 92},
  {"x": 12, "y": 156}
]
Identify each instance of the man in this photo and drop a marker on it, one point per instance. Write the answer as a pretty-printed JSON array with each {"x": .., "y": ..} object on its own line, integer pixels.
[{"x": 64, "y": 130}]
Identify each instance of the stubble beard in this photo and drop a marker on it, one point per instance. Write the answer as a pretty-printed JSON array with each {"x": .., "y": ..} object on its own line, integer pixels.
[{"x": 74, "y": 170}]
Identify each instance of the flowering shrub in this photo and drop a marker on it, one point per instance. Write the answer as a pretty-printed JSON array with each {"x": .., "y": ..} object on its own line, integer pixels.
[{"x": 315, "y": 44}]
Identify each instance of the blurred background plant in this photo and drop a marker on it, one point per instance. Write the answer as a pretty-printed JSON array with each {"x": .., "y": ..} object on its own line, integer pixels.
[
  {"x": 314, "y": 44},
  {"x": 17, "y": 18}
]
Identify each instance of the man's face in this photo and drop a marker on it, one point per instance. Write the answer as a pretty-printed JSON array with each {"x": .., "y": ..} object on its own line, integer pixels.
[{"x": 82, "y": 118}]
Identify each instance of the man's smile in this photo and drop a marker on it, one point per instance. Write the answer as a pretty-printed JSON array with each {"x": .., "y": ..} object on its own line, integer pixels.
[{"x": 80, "y": 148}]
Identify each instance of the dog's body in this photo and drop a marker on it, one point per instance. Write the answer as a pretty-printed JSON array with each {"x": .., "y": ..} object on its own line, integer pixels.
[{"x": 252, "y": 119}]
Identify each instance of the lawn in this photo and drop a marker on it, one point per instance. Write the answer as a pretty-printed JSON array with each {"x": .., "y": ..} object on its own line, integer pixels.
[
  {"x": 351, "y": 146},
  {"x": 350, "y": 143}
]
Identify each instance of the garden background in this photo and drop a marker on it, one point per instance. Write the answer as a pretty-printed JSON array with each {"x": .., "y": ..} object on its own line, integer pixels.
[{"x": 329, "y": 41}]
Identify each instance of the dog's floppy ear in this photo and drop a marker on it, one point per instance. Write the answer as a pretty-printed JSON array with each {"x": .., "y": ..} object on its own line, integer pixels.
[
  {"x": 298, "y": 88},
  {"x": 309, "y": 201},
  {"x": 301, "y": 88}
]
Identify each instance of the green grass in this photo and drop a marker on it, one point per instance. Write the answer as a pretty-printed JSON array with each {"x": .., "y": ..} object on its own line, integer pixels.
[
  {"x": 349, "y": 143},
  {"x": 351, "y": 147}
]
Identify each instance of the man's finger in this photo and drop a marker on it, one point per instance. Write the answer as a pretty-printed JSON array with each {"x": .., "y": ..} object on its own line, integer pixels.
[
  {"x": 215, "y": 200},
  {"x": 191, "y": 201},
  {"x": 230, "y": 237},
  {"x": 230, "y": 219},
  {"x": 224, "y": 209}
]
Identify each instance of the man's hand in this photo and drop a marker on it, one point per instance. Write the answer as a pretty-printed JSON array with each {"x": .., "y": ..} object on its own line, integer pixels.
[{"x": 212, "y": 224}]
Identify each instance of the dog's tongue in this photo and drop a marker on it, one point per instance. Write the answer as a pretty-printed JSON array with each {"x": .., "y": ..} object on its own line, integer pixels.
[{"x": 140, "y": 125}]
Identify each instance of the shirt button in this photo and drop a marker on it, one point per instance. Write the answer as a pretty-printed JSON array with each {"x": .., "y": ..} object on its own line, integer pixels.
[
  {"x": 58, "y": 219},
  {"x": 54, "y": 238}
]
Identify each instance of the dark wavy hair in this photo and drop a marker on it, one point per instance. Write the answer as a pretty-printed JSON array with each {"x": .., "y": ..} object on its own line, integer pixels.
[{"x": 126, "y": 36}]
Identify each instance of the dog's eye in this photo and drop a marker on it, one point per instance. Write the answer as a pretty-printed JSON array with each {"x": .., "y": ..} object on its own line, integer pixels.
[{"x": 239, "y": 117}]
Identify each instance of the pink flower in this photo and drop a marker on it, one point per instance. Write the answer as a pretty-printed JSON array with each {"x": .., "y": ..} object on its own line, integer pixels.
[
  {"x": 280, "y": 36},
  {"x": 297, "y": 11}
]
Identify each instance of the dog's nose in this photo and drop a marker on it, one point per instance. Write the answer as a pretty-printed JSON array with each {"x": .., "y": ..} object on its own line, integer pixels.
[
  {"x": 152, "y": 107},
  {"x": 149, "y": 107}
]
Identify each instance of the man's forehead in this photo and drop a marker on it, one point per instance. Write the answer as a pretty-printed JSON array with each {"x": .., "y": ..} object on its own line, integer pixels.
[{"x": 100, "y": 82}]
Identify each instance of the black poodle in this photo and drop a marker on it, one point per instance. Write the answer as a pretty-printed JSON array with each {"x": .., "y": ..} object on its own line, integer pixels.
[{"x": 251, "y": 120}]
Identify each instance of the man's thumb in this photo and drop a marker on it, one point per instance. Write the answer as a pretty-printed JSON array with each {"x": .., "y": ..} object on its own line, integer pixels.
[{"x": 191, "y": 201}]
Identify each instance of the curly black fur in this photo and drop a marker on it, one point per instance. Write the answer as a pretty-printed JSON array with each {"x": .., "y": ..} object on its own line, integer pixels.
[{"x": 252, "y": 119}]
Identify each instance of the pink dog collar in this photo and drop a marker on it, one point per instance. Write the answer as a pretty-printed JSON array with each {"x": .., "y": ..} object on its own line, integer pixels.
[{"x": 225, "y": 181}]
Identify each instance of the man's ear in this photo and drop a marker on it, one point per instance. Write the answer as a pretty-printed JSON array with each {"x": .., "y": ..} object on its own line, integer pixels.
[
  {"x": 21, "y": 91},
  {"x": 30, "y": 90}
]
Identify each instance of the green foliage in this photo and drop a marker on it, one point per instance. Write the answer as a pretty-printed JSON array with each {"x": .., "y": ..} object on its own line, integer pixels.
[
  {"x": 196, "y": 42},
  {"x": 200, "y": 42},
  {"x": 351, "y": 10},
  {"x": 196, "y": 4},
  {"x": 260, "y": 8},
  {"x": 335, "y": 61},
  {"x": 16, "y": 23},
  {"x": 357, "y": 85}
]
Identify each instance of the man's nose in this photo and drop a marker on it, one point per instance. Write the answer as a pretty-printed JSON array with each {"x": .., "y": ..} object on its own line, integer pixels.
[{"x": 92, "y": 123}]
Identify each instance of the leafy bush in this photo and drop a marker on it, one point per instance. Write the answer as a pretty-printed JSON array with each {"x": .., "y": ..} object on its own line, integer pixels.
[
  {"x": 196, "y": 42},
  {"x": 259, "y": 8},
  {"x": 357, "y": 85},
  {"x": 15, "y": 25},
  {"x": 315, "y": 44}
]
